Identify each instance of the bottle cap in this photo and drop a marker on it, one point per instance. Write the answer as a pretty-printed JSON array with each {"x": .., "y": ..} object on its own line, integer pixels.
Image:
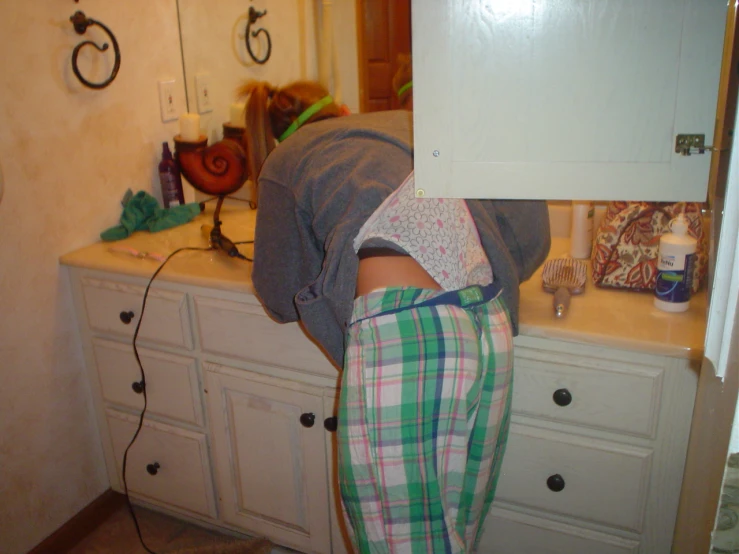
[{"x": 679, "y": 225}]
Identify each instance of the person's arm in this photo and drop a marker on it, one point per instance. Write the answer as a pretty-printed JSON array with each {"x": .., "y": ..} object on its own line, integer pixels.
[
  {"x": 285, "y": 259},
  {"x": 524, "y": 227}
]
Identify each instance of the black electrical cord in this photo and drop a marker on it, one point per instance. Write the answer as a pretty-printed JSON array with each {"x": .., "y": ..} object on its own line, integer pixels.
[{"x": 143, "y": 377}]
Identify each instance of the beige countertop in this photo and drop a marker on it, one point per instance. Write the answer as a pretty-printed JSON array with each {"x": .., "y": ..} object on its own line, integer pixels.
[{"x": 619, "y": 319}]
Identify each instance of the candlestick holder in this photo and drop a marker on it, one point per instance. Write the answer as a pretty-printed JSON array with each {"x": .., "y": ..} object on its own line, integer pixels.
[
  {"x": 233, "y": 132},
  {"x": 216, "y": 170}
]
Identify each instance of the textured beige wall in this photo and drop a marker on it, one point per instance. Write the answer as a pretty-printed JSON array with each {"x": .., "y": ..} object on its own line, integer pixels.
[{"x": 68, "y": 154}]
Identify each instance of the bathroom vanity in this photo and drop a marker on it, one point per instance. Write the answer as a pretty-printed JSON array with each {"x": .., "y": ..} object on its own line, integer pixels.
[{"x": 240, "y": 420}]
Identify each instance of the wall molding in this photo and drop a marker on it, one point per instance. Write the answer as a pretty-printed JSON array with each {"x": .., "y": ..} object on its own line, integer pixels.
[{"x": 81, "y": 524}]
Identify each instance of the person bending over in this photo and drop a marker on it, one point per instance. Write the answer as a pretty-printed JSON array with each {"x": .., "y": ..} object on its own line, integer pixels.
[{"x": 415, "y": 299}]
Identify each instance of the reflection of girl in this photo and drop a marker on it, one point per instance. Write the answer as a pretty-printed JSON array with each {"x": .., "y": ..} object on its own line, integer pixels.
[
  {"x": 403, "y": 81},
  {"x": 416, "y": 298}
]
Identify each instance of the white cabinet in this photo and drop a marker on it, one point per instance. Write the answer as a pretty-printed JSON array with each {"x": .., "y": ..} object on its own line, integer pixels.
[
  {"x": 564, "y": 99},
  {"x": 168, "y": 465},
  {"x": 238, "y": 425},
  {"x": 595, "y": 454}
]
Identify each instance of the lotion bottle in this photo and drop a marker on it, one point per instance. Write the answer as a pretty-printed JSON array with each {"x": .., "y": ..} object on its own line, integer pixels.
[
  {"x": 170, "y": 179},
  {"x": 581, "y": 230},
  {"x": 675, "y": 264}
]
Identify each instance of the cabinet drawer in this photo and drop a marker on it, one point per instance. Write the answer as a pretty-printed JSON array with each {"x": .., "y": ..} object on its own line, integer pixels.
[
  {"x": 603, "y": 482},
  {"x": 243, "y": 330},
  {"x": 116, "y": 308},
  {"x": 182, "y": 477},
  {"x": 596, "y": 393},
  {"x": 511, "y": 533},
  {"x": 172, "y": 385}
]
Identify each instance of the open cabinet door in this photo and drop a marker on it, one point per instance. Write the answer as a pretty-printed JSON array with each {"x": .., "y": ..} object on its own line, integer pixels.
[
  {"x": 714, "y": 431},
  {"x": 565, "y": 99}
]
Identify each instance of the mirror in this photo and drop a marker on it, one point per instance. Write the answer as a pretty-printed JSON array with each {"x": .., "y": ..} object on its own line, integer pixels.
[{"x": 308, "y": 39}]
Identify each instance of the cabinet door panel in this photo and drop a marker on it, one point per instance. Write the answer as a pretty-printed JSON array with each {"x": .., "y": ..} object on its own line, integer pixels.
[
  {"x": 172, "y": 386},
  {"x": 511, "y": 533},
  {"x": 114, "y": 307},
  {"x": 182, "y": 477},
  {"x": 245, "y": 331},
  {"x": 603, "y": 394},
  {"x": 600, "y": 481},
  {"x": 271, "y": 469},
  {"x": 565, "y": 99}
]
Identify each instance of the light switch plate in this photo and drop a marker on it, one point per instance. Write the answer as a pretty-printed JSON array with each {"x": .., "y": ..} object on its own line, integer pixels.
[
  {"x": 167, "y": 103},
  {"x": 202, "y": 88}
]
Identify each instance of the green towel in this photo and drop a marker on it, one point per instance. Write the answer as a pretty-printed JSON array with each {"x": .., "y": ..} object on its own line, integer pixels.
[{"x": 141, "y": 212}]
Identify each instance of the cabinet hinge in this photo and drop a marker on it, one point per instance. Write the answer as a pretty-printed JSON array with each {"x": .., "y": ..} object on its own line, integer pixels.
[{"x": 685, "y": 145}]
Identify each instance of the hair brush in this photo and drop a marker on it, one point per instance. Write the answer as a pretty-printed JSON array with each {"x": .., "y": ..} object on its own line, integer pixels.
[{"x": 563, "y": 277}]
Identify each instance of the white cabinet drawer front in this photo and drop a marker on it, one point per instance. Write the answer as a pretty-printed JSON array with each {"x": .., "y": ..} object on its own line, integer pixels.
[
  {"x": 510, "y": 533},
  {"x": 183, "y": 477},
  {"x": 172, "y": 385},
  {"x": 243, "y": 330},
  {"x": 109, "y": 306},
  {"x": 603, "y": 482},
  {"x": 605, "y": 395}
]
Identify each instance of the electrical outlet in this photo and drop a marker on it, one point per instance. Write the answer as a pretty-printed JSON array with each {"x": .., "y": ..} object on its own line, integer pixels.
[
  {"x": 202, "y": 87},
  {"x": 167, "y": 103}
]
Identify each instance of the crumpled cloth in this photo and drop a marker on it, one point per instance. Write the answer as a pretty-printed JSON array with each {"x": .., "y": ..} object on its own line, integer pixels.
[{"x": 141, "y": 212}]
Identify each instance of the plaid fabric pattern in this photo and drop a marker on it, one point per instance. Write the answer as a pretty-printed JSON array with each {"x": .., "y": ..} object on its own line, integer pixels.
[{"x": 423, "y": 420}]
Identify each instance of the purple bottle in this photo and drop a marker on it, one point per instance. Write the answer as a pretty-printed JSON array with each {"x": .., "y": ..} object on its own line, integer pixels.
[{"x": 170, "y": 179}]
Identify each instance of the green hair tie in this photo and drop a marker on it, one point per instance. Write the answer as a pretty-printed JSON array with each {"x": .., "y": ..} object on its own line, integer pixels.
[
  {"x": 305, "y": 116},
  {"x": 404, "y": 88}
]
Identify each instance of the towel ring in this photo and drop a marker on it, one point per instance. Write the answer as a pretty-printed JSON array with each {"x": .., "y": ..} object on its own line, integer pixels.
[
  {"x": 81, "y": 22},
  {"x": 253, "y": 16}
]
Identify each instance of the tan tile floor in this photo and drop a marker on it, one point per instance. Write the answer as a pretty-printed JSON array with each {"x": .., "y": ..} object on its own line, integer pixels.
[{"x": 164, "y": 535}]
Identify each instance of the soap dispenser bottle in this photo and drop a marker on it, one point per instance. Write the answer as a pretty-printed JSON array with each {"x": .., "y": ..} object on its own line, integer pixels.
[
  {"x": 170, "y": 179},
  {"x": 675, "y": 264}
]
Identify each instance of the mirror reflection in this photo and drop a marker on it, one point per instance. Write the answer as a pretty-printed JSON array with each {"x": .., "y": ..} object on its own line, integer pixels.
[{"x": 350, "y": 46}]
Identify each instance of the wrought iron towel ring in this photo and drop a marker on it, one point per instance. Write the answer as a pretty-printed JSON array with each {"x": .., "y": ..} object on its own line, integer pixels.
[
  {"x": 81, "y": 22},
  {"x": 253, "y": 16}
]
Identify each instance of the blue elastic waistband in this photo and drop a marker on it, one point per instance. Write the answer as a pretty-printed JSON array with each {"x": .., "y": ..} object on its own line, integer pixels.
[{"x": 467, "y": 297}]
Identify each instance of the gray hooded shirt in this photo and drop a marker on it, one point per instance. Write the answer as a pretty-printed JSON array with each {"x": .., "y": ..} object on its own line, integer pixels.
[{"x": 316, "y": 190}]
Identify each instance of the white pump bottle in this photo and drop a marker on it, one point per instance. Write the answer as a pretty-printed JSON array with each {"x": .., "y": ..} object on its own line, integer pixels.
[{"x": 675, "y": 267}]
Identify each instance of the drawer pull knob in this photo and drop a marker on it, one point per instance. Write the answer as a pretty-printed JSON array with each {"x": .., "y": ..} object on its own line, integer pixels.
[
  {"x": 308, "y": 419},
  {"x": 555, "y": 482},
  {"x": 153, "y": 469},
  {"x": 331, "y": 423},
  {"x": 138, "y": 387},
  {"x": 126, "y": 317},
  {"x": 562, "y": 397}
]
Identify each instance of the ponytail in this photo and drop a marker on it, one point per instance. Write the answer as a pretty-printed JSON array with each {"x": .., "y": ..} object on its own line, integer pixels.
[
  {"x": 271, "y": 111},
  {"x": 259, "y": 139}
]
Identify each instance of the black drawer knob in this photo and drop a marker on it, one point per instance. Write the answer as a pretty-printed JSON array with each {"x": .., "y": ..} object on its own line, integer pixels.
[
  {"x": 555, "y": 482},
  {"x": 152, "y": 469},
  {"x": 138, "y": 387},
  {"x": 331, "y": 423},
  {"x": 562, "y": 397},
  {"x": 126, "y": 317},
  {"x": 308, "y": 419}
]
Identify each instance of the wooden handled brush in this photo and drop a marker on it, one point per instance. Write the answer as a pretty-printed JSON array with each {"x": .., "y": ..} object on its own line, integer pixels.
[{"x": 563, "y": 277}]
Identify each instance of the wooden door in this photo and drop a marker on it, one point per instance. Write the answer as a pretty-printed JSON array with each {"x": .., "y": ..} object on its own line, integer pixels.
[
  {"x": 384, "y": 33},
  {"x": 564, "y": 100}
]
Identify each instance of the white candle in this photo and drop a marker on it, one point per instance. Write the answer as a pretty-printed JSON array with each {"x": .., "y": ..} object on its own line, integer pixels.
[
  {"x": 237, "y": 115},
  {"x": 190, "y": 127}
]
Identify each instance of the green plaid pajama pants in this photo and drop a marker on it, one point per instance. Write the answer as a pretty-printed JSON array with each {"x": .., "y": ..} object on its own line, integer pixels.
[{"x": 424, "y": 413}]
